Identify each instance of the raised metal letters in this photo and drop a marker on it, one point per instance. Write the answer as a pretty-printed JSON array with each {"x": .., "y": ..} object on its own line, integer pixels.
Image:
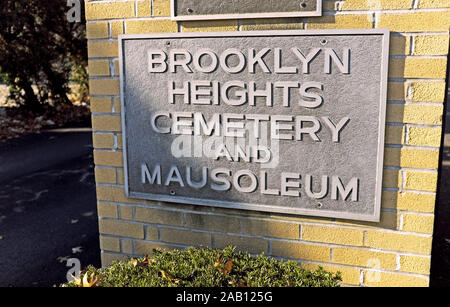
[{"x": 289, "y": 121}]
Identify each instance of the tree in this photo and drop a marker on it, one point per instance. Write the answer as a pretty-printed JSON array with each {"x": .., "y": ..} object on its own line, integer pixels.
[{"x": 40, "y": 47}]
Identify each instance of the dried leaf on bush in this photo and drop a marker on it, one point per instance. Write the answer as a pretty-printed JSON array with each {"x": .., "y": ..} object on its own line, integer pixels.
[
  {"x": 85, "y": 282},
  {"x": 223, "y": 268}
]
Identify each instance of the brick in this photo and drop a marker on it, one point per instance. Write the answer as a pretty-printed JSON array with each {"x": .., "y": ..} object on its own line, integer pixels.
[
  {"x": 152, "y": 233},
  {"x": 106, "y": 123},
  {"x": 103, "y": 140},
  {"x": 431, "y": 45},
  {"x": 104, "y": 87},
  {"x": 120, "y": 177},
  {"x": 249, "y": 244},
  {"x": 209, "y": 26},
  {"x": 126, "y": 213},
  {"x": 385, "y": 279},
  {"x": 116, "y": 68},
  {"x": 105, "y": 175},
  {"x": 212, "y": 222},
  {"x": 361, "y": 5},
  {"x": 396, "y": 91},
  {"x": 415, "y": 264},
  {"x": 157, "y": 216},
  {"x": 334, "y": 235},
  {"x": 418, "y": 67},
  {"x": 300, "y": 251},
  {"x": 409, "y": 201},
  {"x": 421, "y": 181},
  {"x": 241, "y": 213},
  {"x": 391, "y": 158},
  {"x": 418, "y": 223},
  {"x": 185, "y": 237},
  {"x": 414, "y": 114},
  {"x": 433, "y": 4},
  {"x": 272, "y": 24},
  {"x": 405, "y": 157},
  {"x": 147, "y": 248},
  {"x": 107, "y": 210},
  {"x": 102, "y": 105},
  {"x": 105, "y": 49},
  {"x": 109, "y": 10},
  {"x": 150, "y": 26},
  {"x": 98, "y": 68},
  {"x": 270, "y": 228},
  {"x": 114, "y": 195},
  {"x": 416, "y": 202},
  {"x": 161, "y": 8},
  {"x": 396, "y": 241},
  {"x": 428, "y": 91},
  {"x": 424, "y": 136},
  {"x": 395, "y": 135},
  {"x": 97, "y": 30},
  {"x": 388, "y": 220},
  {"x": 169, "y": 206},
  {"x": 421, "y": 114},
  {"x": 126, "y": 246},
  {"x": 108, "y": 258},
  {"x": 400, "y": 45},
  {"x": 389, "y": 199},
  {"x": 116, "y": 28},
  {"x": 349, "y": 21},
  {"x": 110, "y": 244},
  {"x": 144, "y": 8},
  {"x": 121, "y": 229},
  {"x": 108, "y": 158},
  {"x": 119, "y": 140},
  {"x": 350, "y": 276},
  {"x": 415, "y": 21},
  {"x": 364, "y": 258},
  {"x": 330, "y": 5}
]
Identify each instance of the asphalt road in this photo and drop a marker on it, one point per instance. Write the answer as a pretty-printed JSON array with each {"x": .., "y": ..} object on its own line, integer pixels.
[{"x": 47, "y": 207}]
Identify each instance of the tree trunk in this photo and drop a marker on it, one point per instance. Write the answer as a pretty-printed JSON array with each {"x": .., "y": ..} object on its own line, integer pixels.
[
  {"x": 57, "y": 84},
  {"x": 31, "y": 100}
]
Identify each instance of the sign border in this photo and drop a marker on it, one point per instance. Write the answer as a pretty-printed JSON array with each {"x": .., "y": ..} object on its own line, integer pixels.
[
  {"x": 375, "y": 217},
  {"x": 316, "y": 13}
]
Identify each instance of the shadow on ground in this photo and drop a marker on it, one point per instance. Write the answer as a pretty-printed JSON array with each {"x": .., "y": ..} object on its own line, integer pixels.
[
  {"x": 440, "y": 255},
  {"x": 47, "y": 207}
]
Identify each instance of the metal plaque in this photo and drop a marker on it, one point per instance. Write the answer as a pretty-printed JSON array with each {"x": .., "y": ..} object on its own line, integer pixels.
[
  {"x": 279, "y": 121},
  {"x": 235, "y": 9}
]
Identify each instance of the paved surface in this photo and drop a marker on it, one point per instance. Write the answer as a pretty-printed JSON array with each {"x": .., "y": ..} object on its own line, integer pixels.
[{"x": 47, "y": 207}]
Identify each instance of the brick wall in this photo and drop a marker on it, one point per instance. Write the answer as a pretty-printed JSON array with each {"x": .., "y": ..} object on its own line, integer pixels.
[{"x": 394, "y": 252}]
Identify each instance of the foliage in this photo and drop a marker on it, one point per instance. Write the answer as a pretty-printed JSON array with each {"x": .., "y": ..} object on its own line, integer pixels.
[
  {"x": 39, "y": 49},
  {"x": 206, "y": 268}
]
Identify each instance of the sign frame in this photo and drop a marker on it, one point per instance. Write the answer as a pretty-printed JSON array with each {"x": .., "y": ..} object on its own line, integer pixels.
[
  {"x": 316, "y": 13},
  {"x": 375, "y": 217}
]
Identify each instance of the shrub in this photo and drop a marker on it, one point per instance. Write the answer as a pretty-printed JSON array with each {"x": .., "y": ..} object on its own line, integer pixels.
[{"x": 207, "y": 268}]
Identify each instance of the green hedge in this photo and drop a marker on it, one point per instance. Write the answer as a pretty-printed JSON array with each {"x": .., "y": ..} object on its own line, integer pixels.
[{"x": 206, "y": 267}]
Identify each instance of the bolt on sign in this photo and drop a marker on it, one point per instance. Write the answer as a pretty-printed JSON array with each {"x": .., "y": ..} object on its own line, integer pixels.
[
  {"x": 289, "y": 122},
  {"x": 219, "y": 9}
]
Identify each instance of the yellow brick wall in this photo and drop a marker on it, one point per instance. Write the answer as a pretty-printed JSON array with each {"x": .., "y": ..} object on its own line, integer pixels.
[{"x": 394, "y": 252}]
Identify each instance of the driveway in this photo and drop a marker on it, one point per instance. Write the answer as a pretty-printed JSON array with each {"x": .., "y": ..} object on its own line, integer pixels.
[{"x": 47, "y": 207}]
